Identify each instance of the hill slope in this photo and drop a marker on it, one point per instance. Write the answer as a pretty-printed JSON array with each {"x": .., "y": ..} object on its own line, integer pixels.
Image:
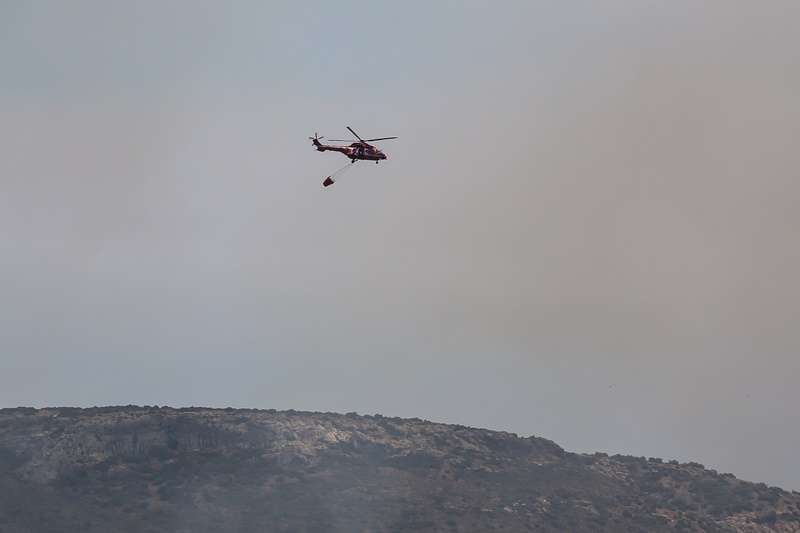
[{"x": 163, "y": 469}]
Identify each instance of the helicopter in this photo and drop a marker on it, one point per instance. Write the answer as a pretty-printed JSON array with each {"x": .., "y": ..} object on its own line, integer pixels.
[
  {"x": 357, "y": 150},
  {"x": 360, "y": 150}
]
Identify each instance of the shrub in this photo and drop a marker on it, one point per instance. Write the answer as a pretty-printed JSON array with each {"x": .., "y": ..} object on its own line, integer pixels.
[{"x": 769, "y": 518}]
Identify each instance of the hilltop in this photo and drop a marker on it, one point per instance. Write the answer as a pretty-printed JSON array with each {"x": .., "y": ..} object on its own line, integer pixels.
[{"x": 158, "y": 469}]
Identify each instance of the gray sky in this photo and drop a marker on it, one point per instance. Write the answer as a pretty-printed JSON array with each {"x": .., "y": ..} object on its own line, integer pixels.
[{"x": 586, "y": 231}]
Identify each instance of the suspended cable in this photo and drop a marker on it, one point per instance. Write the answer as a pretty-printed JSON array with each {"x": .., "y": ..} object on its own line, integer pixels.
[{"x": 330, "y": 180}]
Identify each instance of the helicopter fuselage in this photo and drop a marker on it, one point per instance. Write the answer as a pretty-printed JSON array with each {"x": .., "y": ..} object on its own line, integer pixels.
[{"x": 355, "y": 151}]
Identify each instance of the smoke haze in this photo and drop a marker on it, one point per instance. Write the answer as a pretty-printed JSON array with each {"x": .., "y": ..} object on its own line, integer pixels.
[{"x": 586, "y": 231}]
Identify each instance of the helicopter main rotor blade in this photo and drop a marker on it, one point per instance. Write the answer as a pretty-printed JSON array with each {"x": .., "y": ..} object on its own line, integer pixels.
[
  {"x": 352, "y": 141},
  {"x": 356, "y": 134},
  {"x": 359, "y": 138}
]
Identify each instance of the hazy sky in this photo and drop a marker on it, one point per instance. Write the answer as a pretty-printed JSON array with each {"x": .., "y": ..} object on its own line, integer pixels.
[{"x": 586, "y": 231}]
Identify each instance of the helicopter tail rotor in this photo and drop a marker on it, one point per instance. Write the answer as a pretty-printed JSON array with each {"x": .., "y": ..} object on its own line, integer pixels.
[{"x": 315, "y": 141}]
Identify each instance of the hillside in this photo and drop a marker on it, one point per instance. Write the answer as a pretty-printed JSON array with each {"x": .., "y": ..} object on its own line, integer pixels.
[{"x": 161, "y": 469}]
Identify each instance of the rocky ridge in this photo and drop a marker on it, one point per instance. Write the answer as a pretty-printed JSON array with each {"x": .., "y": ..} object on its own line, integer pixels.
[
  {"x": 197, "y": 469},
  {"x": 56, "y": 440}
]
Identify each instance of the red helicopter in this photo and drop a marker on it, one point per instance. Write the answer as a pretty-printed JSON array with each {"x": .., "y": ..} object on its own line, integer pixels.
[{"x": 360, "y": 150}]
